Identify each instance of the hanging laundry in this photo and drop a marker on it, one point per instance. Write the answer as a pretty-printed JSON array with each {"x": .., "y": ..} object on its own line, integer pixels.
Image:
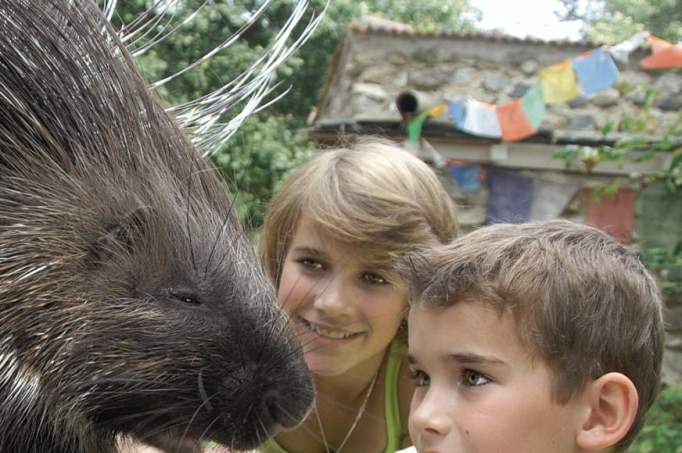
[
  {"x": 559, "y": 83},
  {"x": 595, "y": 71}
]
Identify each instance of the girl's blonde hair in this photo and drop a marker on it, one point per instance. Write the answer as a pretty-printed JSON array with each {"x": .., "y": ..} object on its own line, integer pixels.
[{"x": 373, "y": 195}]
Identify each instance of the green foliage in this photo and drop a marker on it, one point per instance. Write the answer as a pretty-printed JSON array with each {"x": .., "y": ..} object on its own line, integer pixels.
[
  {"x": 257, "y": 159},
  {"x": 667, "y": 264},
  {"x": 611, "y": 21},
  {"x": 269, "y": 144},
  {"x": 663, "y": 430},
  {"x": 635, "y": 149}
]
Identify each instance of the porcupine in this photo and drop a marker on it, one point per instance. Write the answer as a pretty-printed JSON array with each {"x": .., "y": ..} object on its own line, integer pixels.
[{"x": 130, "y": 300}]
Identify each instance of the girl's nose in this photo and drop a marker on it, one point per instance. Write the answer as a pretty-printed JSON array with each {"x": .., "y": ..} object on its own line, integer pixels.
[{"x": 333, "y": 297}]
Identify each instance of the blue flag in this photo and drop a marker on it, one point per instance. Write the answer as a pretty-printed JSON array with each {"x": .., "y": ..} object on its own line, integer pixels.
[
  {"x": 457, "y": 110},
  {"x": 467, "y": 176},
  {"x": 510, "y": 196},
  {"x": 595, "y": 71}
]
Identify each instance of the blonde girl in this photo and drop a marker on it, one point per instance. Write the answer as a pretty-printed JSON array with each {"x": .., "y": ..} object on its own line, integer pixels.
[{"x": 329, "y": 242}]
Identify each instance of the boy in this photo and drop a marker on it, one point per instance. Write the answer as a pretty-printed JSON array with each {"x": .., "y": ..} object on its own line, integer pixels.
[{"x": 533, "y": 338}]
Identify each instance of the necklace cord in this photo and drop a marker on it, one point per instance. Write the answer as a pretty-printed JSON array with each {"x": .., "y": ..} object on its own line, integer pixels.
[{"x": 358, "y": 416}]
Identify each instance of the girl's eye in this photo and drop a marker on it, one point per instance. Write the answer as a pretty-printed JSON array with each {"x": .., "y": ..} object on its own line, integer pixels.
[
  {"x": 420, "y": 378},
  {"x": 310, "y": 264},
  {"x": 373, "y": 278},
  {"x": 472, "y": 378}
]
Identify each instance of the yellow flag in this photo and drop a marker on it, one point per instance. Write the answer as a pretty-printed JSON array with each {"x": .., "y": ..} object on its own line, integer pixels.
[
  {"x": 559, "y": 83},
  {"x": 437, "y": 111}
]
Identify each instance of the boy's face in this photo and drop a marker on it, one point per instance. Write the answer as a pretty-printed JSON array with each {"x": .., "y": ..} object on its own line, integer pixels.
[{"x": 478, "y": 389}]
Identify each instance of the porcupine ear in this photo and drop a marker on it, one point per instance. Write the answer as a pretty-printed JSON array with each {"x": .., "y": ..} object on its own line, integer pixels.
[{"x": 120, "y": 236}]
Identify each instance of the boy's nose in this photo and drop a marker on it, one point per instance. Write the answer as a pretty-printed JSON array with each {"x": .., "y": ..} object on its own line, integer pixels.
[{"x": 428, "y": 419}]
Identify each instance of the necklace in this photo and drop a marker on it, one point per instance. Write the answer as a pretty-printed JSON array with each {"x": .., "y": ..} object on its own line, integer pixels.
[{"x": 358, "y": 416}]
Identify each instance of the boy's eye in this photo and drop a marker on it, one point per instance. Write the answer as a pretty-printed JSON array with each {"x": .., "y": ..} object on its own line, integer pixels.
[
  {"x": 420, "y": 378},
  {"x": 373, "y": 278},
  {"x": 472, "y": 378}
]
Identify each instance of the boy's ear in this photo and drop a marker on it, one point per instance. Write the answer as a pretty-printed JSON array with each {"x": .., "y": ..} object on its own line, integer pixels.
[{"x": 613, "y": 402}]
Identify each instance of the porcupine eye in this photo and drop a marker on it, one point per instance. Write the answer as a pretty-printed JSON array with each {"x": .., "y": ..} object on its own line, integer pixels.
[{"x": 185, "y": 297}]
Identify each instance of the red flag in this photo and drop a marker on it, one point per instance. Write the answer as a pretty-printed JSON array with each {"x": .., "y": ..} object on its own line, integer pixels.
[
  {"x": 514, "y": 121},
  {"x": 613, "y": 214},
  {"x": 664, "y": 54}
]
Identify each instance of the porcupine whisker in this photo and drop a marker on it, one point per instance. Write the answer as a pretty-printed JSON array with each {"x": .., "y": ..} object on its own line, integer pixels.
[
  {"x": 260, "y": 425},
  {"x": 219, "y": 236},
  {"x": 208, "y": 428},
  {"x": 146, "y": 418},
  {"x": 187, "y": 216},
  {"x": 202, "y": 392},
  {"x": 230, "y": 211}
]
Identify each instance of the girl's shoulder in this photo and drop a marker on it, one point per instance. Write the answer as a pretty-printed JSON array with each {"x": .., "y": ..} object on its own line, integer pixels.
[{"x": 408, "y": 450}]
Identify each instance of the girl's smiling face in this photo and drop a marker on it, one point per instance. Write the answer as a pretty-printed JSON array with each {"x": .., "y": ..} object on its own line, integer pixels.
[
  {"x": 478, "y": 388},
  {"x": 346, "y": 311}
]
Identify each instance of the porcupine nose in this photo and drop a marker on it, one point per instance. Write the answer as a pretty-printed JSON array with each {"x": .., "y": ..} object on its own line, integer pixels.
[{"x": 273, "y": 407}]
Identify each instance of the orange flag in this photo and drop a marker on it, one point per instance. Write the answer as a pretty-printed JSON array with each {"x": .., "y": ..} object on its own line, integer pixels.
[
  {"x": 664, "y": 54},
  {"x": 514, "y": 121}
]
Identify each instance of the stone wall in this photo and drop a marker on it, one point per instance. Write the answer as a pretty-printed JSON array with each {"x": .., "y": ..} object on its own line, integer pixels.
[{"x": 375, "y": 68}]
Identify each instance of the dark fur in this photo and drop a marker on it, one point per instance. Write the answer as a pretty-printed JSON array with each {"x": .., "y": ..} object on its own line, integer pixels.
[{"x": 130, "y": 301}]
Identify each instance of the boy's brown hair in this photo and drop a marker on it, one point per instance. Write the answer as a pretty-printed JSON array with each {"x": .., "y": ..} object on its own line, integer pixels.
[
  {"x": 584, "y": 304},
  {"x": 373, "y": 195}
]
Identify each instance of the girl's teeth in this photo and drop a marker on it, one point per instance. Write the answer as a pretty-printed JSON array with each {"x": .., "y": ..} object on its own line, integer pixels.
[{"x": 336, "y": 334}]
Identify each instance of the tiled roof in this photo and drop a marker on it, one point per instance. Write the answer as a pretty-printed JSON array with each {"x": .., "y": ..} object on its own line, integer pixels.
[
  {"x": 378, "y": 25},
  {"x": 379, "y": 59}
]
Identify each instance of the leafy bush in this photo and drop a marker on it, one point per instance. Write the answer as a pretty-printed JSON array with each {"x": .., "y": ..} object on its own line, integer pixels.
[
  {"x": 257, "y": 159},
  {"x": 663, "y": 430}
]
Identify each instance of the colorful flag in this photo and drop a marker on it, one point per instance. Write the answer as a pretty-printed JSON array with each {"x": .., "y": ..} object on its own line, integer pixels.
[
  {"x": 534, "y": 105},
  {"x": 559, "y": 83},
  {"x": 622, "y": 50},
  {"x": 481, "y": 119},
  {"x": 613, "y": 214},
  {"x": 457, "y": 109},
  {"x": 550, "y": 198},
  {"x": 595, "y": 71},
  {"x": 436, "y": 112},
  {"x": 510, "y": 196},
  {"x": 466, "y": 175},
  {"x": 414, "y": 126},
  {"x": 664, "y": 54},
  {"x": 513, "y": 121}
]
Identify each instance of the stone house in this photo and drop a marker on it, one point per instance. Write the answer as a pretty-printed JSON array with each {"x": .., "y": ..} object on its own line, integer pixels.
[{"x": 378, "y": 61}]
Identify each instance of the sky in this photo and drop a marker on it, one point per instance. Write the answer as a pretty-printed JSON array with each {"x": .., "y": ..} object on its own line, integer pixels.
[{"x": 523, "y": 18}]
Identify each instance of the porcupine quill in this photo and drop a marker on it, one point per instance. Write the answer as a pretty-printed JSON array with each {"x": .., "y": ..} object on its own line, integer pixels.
[{"x": 130, "y": 301}]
